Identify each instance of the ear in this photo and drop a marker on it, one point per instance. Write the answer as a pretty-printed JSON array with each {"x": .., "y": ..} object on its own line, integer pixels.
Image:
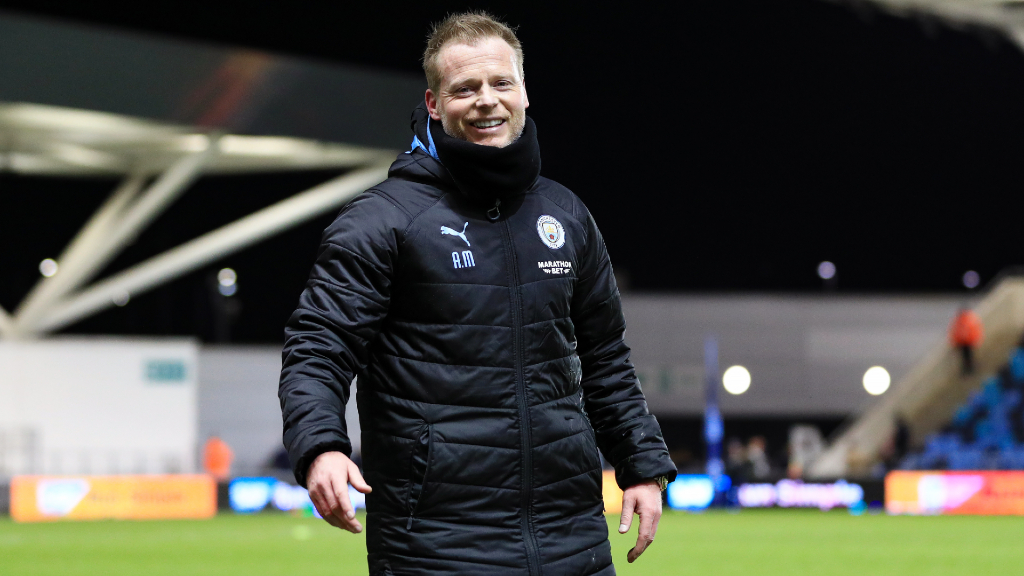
[{"x": 431, "y": 100}]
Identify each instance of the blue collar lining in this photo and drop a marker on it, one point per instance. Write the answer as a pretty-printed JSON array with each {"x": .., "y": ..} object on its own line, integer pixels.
[{"x": 431, "y": 149}]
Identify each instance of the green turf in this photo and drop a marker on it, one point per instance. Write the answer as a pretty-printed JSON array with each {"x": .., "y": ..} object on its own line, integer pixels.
[{"x": 748, "y": 543}]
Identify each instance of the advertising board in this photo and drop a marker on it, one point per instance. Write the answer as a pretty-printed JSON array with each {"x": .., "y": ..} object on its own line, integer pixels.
[
  {"x": 253, "y": 494},
  {"x": 946, "y": 492},
  {"x": 691, "y": 492},
  {"x": 611, "y": 493},
  {"x": 142, "y": 497},
  {"x": 799, "y": 494}
]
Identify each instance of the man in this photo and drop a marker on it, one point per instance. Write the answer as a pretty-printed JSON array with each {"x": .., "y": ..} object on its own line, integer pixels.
[
  {"x": 476, "y": 303},
  {"x": 966, "y": 333}
]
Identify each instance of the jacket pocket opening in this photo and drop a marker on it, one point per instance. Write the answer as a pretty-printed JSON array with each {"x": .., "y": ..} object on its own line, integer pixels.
[{"x": 426, "y": 444}]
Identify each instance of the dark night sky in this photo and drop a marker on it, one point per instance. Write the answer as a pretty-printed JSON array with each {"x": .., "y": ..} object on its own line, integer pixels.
[{"x": 721, "y": 146}]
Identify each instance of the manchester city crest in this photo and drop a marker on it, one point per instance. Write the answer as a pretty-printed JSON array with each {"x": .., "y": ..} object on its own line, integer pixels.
[{"x": 551, "y": 231}]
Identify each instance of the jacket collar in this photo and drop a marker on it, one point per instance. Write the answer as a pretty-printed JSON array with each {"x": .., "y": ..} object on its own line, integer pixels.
[{"x": 481, "y": 173}]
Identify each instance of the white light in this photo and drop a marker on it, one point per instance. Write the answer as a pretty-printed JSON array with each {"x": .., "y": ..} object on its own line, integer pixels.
[
  {"x": 228, "y": 290},
  {"x": 736, "y": 380},
  {"x": 227, "y": 277},
  {"x": 48, "y": 267},
  {"x": 971, "y": 279},
  {"x": 121, "y": 299},
  {"x": 826, "y": 270},
  {"x": 876, "y": 380}
]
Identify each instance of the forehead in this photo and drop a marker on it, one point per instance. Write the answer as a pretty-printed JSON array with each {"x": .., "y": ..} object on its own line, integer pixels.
[{"x": 490, "y": 55}]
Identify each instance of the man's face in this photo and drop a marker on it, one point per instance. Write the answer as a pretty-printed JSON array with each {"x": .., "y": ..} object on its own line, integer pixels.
[{"x": 482, "y": 98}]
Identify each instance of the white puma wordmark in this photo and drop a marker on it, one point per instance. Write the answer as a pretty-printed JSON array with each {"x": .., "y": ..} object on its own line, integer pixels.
[{"x": 449, "y": 231}]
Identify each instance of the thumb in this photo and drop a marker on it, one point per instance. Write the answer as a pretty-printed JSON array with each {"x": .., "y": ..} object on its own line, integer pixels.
[
  {"x": 628, "y": 503},
  {"x": 355, "y": 478}
]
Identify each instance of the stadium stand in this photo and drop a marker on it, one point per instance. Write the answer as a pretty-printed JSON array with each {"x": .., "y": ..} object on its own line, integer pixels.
[
  {"x": 986, "y": 431},
  {"x": 929, "y": 396}
]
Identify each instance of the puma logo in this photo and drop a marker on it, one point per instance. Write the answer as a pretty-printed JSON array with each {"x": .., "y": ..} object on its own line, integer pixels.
[{"x": 446, "y": 230}]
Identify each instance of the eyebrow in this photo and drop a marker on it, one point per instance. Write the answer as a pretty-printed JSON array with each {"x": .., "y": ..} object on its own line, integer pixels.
[{"x": 460, "y": 81}]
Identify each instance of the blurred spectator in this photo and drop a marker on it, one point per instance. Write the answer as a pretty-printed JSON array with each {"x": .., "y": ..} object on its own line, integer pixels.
[
  {"x": 901, "y": 438},
  {"x": 217, "y": 457},
  {"x": 279, "y": 460},
  {"x": 965, "y": 333},
  {"x": 805, "y": 444},
  {"x": 758, "y": 459},
  {"x": 737, "y": 466}
]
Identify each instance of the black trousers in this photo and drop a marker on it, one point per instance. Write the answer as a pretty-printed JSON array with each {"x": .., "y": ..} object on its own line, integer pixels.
[{"x": 967, "y": 353}]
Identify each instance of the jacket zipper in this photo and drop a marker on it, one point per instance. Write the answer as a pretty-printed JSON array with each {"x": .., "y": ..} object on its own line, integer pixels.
[
  {"x": 428, "y": 445},
  {"x": 532, "y": 555}
]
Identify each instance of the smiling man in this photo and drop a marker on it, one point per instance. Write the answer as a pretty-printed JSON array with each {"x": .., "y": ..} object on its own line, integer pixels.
[{"x": 475, "y": 301}]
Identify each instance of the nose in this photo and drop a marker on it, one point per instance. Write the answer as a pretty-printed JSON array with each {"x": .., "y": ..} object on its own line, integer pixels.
[{"x": 488, "y": 98}]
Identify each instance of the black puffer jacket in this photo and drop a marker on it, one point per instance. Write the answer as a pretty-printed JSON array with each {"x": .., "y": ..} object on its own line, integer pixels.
[{"x": 491, "y": 367}]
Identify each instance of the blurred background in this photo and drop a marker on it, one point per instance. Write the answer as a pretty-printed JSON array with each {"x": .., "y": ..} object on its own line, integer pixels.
[{"x": 812, "y": 206}]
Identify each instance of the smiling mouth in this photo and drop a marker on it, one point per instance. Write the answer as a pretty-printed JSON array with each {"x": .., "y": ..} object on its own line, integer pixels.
[{"x": 484, "y": 124}]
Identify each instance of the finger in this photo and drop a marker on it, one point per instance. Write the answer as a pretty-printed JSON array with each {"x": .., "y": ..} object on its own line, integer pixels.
[
  {"x": 327, "y": 497},
  {"x": 345, "y": 513},
  {"x": 626, "y": 520},
  {"x": 318, "y": 502},
  {"x": 340, "y": 487},
  {"x": 644, "y": 537},
  {"x": 356, "y": 479},
  {"x": 330, "y": 519}
]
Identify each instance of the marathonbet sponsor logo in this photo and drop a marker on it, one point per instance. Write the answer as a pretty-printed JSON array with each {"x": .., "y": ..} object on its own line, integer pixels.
[{"x": 555, "y": 266}]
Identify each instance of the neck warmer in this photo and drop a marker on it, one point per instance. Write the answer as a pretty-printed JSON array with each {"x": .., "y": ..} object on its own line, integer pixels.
[{"x": 483, "y": 173}]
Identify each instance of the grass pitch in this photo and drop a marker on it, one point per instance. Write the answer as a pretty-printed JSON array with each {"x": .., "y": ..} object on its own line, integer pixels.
[{"x": 747, "y": 543}]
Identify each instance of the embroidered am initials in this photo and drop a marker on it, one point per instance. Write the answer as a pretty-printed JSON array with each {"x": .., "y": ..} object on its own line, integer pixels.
[{"x": 463, "y": 260}]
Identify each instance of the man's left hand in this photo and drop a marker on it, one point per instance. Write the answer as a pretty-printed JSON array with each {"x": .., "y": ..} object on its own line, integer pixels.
[{"x": 645, "y": 500}]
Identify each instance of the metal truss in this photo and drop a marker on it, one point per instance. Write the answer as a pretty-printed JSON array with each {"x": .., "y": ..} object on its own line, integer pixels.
[{"x": 66, "y": 297}]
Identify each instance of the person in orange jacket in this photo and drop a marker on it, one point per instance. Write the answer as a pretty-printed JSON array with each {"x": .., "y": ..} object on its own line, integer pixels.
[
  {"x": 217, "y": 457},
  {"x": 965, "y": 333}
]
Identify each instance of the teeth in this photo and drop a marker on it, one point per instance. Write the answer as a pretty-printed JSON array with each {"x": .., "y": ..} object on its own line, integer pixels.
[{"x": 487, "y": 123}]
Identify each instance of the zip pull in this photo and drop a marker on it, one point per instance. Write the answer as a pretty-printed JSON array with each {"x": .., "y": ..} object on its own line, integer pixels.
[{"x": 494, "y": 213}]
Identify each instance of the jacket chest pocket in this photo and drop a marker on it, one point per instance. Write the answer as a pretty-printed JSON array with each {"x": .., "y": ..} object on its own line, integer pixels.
[{"x": 419, "y": 470}]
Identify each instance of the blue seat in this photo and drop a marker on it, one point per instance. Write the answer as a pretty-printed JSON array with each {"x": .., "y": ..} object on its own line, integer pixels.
[
  {"x": 1011, "y": 399},
  {"x": 1012, "y": 458},
  {"x": 910, "y": 462},
  {"x": 942, "y": 444},
  {"x": 984, "y": 433},
  {"x": 967, "y": 459},
  {"x": 1017, "y": 365},
  {"x": 963, "y": 415},
  {"x": 992, "y": 392}
]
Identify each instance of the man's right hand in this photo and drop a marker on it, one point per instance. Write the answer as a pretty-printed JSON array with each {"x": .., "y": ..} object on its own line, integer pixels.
[{"x": 328, "y": 479}]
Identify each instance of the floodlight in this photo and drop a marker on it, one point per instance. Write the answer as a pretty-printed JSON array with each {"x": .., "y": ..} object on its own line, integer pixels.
[
  {"x": 121, "y": 299},
  {"x": 971, "y": 279},
  {"x": 48, "y": 267},
  {"x": 736, "y": 380},
  {"x": 826, "y": 270},
  {"x": 876, "y": 380},
  {"x": 227, "y": 277}
]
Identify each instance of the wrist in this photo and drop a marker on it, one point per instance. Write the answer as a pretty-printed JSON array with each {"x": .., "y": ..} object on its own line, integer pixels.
[{"x": 661, "y": 481}]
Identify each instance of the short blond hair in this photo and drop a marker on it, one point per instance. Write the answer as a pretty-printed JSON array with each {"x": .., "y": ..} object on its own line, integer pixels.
[{"x": 465, "y": 28}]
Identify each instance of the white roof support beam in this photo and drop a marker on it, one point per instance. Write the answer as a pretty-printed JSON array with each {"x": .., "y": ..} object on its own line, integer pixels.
[
  {"x": 207, "y": 248},
  {"x": 6, "y": 325},
  {"x": 1002, "y": 16},
  {"x": 114, "y": 226},
  {"x": 48, "y": 140},
  {"x": 72, "y": 271}
]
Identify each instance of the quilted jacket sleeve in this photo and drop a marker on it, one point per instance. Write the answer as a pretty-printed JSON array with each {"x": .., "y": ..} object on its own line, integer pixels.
[
  {"x": 627, "y": 433},
  {"x": 339, "y": 314}
]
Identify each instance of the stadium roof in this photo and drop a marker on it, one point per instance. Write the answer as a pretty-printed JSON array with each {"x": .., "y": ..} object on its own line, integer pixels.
[
  {"x": 159, "y": 113},
  {"x": 1005, "y": 16},
  {"x": 49, "y": 140},
  {"x": 158, "y": 162}
]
